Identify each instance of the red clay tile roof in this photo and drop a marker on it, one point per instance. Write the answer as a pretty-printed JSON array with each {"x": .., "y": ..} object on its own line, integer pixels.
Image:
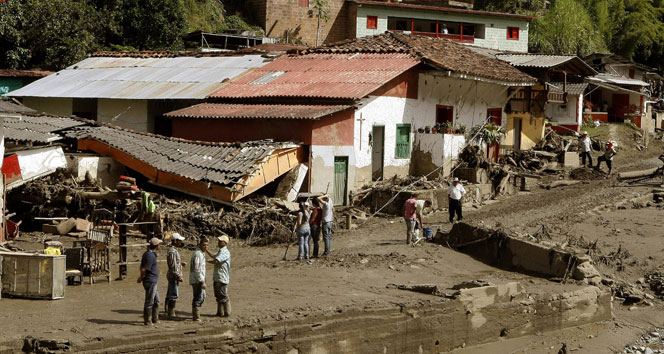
[
  {"x": 437, "y": 52},
  {"x": 255, "y": 111},
  {"x": 24, "y": 73},
  {"x": 320, "y": 75},
  {"x": 398, "y": 5}
]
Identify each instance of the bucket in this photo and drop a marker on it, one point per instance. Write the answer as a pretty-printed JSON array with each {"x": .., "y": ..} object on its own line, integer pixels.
[{"x": 428, "y": 232}]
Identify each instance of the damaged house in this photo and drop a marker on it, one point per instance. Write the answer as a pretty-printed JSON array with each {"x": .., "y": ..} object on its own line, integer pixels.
[{"x": 362, "y": 107}]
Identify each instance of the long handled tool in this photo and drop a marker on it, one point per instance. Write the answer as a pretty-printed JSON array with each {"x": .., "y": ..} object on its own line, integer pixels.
[{"x": 289, "y": 242}]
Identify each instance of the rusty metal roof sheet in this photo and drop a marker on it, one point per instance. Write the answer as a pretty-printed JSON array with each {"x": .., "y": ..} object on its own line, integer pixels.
[
  {"x": 344, "y": 76},
  {"x": 142, "y": 78},
  {"x": 38, "y": 128},
  {"x": 255, "y": 111},
  {"x": 222, "y": 163}
]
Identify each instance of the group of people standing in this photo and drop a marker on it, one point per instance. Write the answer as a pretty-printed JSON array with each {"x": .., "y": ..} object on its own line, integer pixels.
[
  {"x": 586, "y": 153},
  {"x": 197, "y": 278},
  {"x": 311, "y": 221}
]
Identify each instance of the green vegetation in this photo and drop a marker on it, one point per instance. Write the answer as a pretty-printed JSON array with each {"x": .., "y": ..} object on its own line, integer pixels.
[{"x": 53, "y": 34}]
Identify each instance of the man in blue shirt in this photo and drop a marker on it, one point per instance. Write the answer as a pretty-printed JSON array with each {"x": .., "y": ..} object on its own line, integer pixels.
[
  {"x": 149, "y": 277},
  {"x": 222, "y": 276}
]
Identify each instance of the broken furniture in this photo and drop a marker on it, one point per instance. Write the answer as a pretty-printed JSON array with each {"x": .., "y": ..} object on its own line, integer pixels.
[
  {"x": 74, "y": 265},
  {"x": 97, "y": 245},
  {"x": 123, "y": 245},
  {"x": 33, "y": 275}
]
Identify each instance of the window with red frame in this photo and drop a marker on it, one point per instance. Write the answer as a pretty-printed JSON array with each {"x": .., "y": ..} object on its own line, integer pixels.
[
  {"x": 513, "y": 33},
  {"x": 444, "y": 114},
  {"x": 303, "y": 3},
  {"x": 372, "y": 22}
]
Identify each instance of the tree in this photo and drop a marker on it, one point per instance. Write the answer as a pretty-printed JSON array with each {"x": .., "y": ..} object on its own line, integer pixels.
[
  {"x": 566, "y": 28},
  {"x": 321, "y": 10},
  {"x": 153, "y": 24},
  {"x": 13, "y": 52}
]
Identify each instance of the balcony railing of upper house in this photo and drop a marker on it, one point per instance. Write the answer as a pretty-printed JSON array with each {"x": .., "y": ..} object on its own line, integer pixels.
[{"x": 453, "y": 37}]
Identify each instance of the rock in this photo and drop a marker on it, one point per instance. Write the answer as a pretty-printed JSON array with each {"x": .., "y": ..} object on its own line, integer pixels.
[
  {"x": 633, "y": 308},
  {"x": 641, "y": 281},
  {"x": 390, "y": 267},
  {"x": 586, "y": 270},
  {"x": 364, "y": 261},
  {"x": 649, "y": 351}
]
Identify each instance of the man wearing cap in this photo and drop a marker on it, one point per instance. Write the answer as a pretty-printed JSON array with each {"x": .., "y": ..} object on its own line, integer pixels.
[
  {"x": 455, "y": 193},
  {"x": 608, "y": 156},
  {"x": 222, "y": 276},
  {"x": 149, "y": 277},
  {"x": 174, "y": 274},
  {"x": 586, "y": 149},
  {"x": 327, "y": 209},
  {"x": 197, "y": 278}
]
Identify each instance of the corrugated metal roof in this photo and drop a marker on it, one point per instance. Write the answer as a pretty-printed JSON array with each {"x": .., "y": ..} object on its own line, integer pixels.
[
  {"x": 535, "y": 60},
  {"x": 142, "y": 78},
  {"x": 255, "y": 111},
  {"x": 221, "y": 163},
  {"x": 574, "y": 89},
  {"x": 38, "y": 129},
  {"x": 347, "y": 76},
  {"x": 617, "y": 80}
]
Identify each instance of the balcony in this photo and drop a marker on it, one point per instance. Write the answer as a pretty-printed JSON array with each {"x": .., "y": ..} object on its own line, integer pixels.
[
  {"x": 454, "y": 31},
  {"x": 463, "y": 38}
]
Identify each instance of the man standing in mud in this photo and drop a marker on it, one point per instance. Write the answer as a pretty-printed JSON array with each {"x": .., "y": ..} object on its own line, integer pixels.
[
  {"x": 197, "y": 278},
  {"x": 410, "y": 216},
  {"x": 586, "y": 149},
  {"x": 174, "y": 275},
  {"x": 149, "y": 277},
  {"x": 455, "y": 193},
  {"x": 328, "y": 217},
  {"x": 222, "y": 276}
]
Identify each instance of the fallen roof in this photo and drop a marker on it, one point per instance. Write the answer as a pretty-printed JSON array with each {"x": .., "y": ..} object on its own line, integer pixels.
[
  {"x": 400, "y": 5},
  {"x": 617, "y": 80},
  {"x": 547, "y": 62},
  {"x": 125, "y": 77},
  {"x": 320, "y": 75},
  {"x": 9, "y": 106},
  {"x": 255, "y": 111},
  {"x": 574, "y": 89},
  {"x": 38, "y": 128}
]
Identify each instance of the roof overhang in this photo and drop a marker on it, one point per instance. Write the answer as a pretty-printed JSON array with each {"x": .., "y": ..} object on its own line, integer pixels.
[
  {"x": 464, "y": 76},
  {"x": 617, "y": 80},
  {"x": 616, "y": 88},
  {"x": 256, "y": 111}
]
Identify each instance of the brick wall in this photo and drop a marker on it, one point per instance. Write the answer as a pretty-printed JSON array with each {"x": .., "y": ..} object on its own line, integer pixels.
[{"x": 279, "y": 17}]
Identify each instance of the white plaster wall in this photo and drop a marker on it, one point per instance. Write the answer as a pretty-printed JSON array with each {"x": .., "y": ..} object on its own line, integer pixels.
[
  {"x": 99, "y": 167},
  {"x": 322, "y": 170},
  {"x": 132, "y": 114},
  {"x": 57, "y": 106},
  {"x": 495, "y": 36},
  {"x": 565, "y": 113},
  {"x": 440, "y": 146},
  {"x": 37, "y": 162}
]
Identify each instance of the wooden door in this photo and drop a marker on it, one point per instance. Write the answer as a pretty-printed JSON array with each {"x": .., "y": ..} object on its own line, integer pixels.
[
  {"x": 517, "y": 134},
  {"x": 377, "y": 153},
  {"x": 340, "y": 179},
  {"x": 620, "y": 105},
  {"x": 495, "y": 116}
]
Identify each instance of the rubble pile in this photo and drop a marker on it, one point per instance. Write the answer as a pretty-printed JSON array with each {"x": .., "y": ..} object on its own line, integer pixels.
[
  {"x": 656, "y": 282},
  {"x": 586, "y": 174},
  {"x": 651, "y": 342}
]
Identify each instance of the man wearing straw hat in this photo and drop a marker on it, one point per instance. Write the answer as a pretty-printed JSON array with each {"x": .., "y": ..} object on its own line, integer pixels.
[{"x": 222, "y": 276}]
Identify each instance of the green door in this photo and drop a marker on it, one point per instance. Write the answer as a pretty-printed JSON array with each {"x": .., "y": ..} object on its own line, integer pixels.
[
  {"x": 403, "y": 142},
  {"x": 340, "y": 179}
]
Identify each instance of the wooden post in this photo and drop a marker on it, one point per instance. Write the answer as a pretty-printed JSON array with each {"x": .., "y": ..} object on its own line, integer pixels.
[
  {"x": 349, "y": 220},
  {"x": 412, "y": 25},
  {"x": 461, "y": 32},
  {"x": 122, "y": 240},
  {"x": 437, "y": 30}
]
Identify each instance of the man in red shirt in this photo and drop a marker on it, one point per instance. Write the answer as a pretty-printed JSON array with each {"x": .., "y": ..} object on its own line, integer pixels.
[{"x": 410, "y": 215}]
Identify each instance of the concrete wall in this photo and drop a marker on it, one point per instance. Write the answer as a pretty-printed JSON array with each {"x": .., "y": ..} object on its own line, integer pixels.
[
  {"x": 132, "y": 114},
  {"x": 567, "y": 114},
  {"x": 431, "y": 151},
  {"x": 99, "y": 167},
  {"x": 57, "y": 106},
  {"x": 495, "y": 35}
]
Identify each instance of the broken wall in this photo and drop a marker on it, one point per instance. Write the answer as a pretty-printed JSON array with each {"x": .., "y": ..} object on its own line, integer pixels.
[{"x": 431, "y": 151}]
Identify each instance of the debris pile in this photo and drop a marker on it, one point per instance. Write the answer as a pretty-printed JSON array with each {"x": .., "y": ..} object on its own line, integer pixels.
[
  {"x": 586, "y": 174},
  {"x": 656, "y": 282}
]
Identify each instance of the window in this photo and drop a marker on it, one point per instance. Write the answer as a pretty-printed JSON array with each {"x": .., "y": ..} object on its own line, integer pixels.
[
  {"x": 403, "y": 142},
  {"x": 372, "y": 22},
  {"x": 303, "y": 3},
  {"x": 513, "y": 33},
  {"x": 444, "y": 114},
  {"x": 632, "y": 73}
]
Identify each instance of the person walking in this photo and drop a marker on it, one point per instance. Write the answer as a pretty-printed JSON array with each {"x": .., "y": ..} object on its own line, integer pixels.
[
  {"x": 149, "y": 277},
  {"x": 327, "y": 209},
  {"x": 410, "y": 216},
  {"x": 455, "y": 193},
  {"x": 314, "y": 225},
  {"x": 174, "y": 275},
  {"x": 302, "y": 230},
  {"x": 197, "y": 278},
  {"x": 608, "y": 156},
  {"x": 222, "y": 276},
  {"x": 586, "y": 149}
]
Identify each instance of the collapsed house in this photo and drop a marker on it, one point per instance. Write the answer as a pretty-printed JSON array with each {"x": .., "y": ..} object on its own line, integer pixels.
[{"x": 363, "y": 107}]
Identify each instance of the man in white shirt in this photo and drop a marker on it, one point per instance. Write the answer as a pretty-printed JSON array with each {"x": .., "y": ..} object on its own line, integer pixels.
[
  {"x": 455, "y": 193},
  {"x": 586, "y": 149},
  {"x": 327, "y": 208}
]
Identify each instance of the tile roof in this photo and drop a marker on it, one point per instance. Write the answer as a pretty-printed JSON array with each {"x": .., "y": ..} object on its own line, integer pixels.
[
  {"x": 249, "y": 111},
  {"x": 574, "y": 89},
  {"x": 400, "y": 5},
  {"x": 8, "y": 106},
  {"x": 221, "y": 163},
  {"x": 39, "y": 128},
  {"x": 320, "y": 75},
  {"x": 440, "y": 53},
  {"x": 181, "y": 77}
]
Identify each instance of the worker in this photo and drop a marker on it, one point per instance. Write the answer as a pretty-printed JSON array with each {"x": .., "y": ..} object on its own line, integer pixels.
[
  {"x": 419, "y": 209},
  {"x": 410, "y": 217},
  {"x": 608, "y": 155},
  {"x": 455, "y": 193},
  {"x": 197, "y": 278},
  {"x": 586, "y": 149},
  {"x": 149, "y": 277},
  {"x": 314, "y": 225},
  {"x": 328, "y": 218},
  {"x": 221, "y": 276},
  {"x": 174, "y": 275},
  {"x": 302, "y": 230}
]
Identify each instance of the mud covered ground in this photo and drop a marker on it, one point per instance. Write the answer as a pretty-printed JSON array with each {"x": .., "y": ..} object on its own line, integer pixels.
[{"x": 368, "y": 258}]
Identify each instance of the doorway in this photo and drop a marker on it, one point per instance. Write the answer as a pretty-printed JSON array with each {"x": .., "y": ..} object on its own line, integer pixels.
[
  {"x": 495, "y": 116},
  {"x": 517, "y": 134},
  {"x": 340, "y": 179},
  {"x": 620, "y": 103},
  {"x": 377, "y": 152}
]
